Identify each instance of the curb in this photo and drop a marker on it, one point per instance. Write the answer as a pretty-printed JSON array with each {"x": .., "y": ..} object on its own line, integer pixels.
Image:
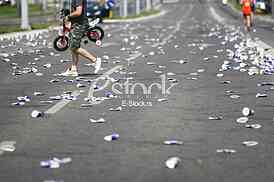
[
  {"x": 163, "y": 12},
  {"x": 257, "y": 17},
  {"x": 13, "y": 35}
]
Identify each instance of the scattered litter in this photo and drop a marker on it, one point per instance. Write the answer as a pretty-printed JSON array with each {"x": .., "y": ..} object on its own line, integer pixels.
[{"x": 247, "y": 111}]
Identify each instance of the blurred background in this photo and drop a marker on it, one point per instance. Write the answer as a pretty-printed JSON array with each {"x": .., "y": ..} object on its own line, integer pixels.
[{"x": 16, "y": 15}]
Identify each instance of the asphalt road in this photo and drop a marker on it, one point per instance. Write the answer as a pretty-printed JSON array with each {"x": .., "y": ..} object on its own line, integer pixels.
[{"x": 190, "y": 31}]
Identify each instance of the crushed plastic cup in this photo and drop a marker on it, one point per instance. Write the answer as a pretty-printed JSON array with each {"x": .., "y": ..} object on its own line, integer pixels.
[
  {"x": 259, "y": 95},
  {"x": 250, "y": 143},
  {"x": 18, "y": 103},
  {"x": 194, "y": 74},
  {"x": 38, "y": 94},
  {"x": 111, "y": 137},
  {"x": 219, "y": 75},
  {"x": 173, "y": 142},
  {"x": 247, "y": 111},
  {"x": 63, "y": 160},
  {"x": 109, "y": 95},
  {"x": 215, "y": 117},
  {"x": 54, "y": 80},
  {"x": 116, "y": 109},
  {"x": 39, "y": 74},
  {"x": 162, "y": 99},
  {"x": 234, "y": 96},
  {"x": 79, "y": 85},
  {"x": 226, "y": 82},
  {"x": 50, "y": 164},
  {"x": 201, "y": 70},
  {"x": 170, "y": 74},
  {"x": 254, "y": 126},
  {"x": 24, "y": 98},
  {"x": 55, "y": 162},
  {"x": 48, "y": 65},
  {"x": 242, "y": 120},
  {"x": 151, "y": 53},
  {"x": 172, "y": 162},
  {"x": 7, "y": 146},
  {"x": 158, "y": 71},
  {"x": 151, "y": 63},
  {"x": 36, "y": 114},
  {"x": 228, "y": 151},
  {"x": 101, "y": 120}
]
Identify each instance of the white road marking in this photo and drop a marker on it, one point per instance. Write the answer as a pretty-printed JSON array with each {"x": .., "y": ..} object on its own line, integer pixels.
[
  {"x": 134, "y": 56},
  {"x": 216, "y": 16},
  {"x": 178, "y": 27},
  {"x": 263, "y": 45},
  {"x": 58, "y": 106}
]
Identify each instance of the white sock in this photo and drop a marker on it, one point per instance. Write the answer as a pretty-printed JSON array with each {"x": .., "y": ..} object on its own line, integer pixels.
[{"x": 73, "y": 68}]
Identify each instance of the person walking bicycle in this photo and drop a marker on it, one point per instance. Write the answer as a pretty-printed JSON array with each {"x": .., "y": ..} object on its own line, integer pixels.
[{"x": 79, "y": 23}]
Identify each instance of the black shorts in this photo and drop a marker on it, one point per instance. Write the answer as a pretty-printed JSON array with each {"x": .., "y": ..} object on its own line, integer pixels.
[{"x": 246, "y": 15}]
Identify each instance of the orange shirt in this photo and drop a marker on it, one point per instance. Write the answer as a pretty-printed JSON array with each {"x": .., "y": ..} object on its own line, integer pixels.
[{"x": 246, "y": 7}]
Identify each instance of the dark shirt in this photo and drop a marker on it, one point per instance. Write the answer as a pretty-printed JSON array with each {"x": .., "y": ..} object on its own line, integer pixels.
[{"x": 82, "y": 18}]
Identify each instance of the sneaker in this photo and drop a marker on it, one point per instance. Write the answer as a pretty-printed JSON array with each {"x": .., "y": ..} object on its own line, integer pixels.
[
  {"x": 69, "y": 73},
  {"x": 97, "y": 65}
]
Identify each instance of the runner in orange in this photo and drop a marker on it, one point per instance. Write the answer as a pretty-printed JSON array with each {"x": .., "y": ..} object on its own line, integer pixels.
[{"x": 247, "y": 10}]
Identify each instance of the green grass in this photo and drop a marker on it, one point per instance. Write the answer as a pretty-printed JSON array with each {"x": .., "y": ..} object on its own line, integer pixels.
[
  {"x": 10, "y": 29},
  {"x": 235, "y": 4},
  {"x": 10, "y": 11}
]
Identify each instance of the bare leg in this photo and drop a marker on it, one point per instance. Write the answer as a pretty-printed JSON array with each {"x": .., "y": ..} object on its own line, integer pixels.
[
  {"x": 86, "y": 55},
  {"x": 248, "y": 23},
  {"x": 251, "y": 18},
  {"x": 245, "y": 23},
  {"x": 75, "y": 60}
]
